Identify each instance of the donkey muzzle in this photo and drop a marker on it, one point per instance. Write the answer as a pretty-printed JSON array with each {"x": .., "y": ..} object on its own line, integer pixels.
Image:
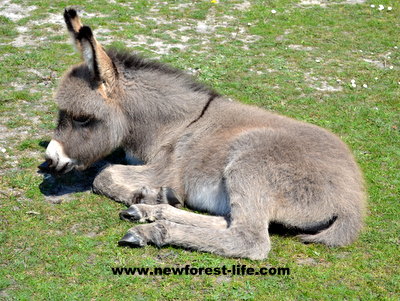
[{"x": 56, "y": 159}]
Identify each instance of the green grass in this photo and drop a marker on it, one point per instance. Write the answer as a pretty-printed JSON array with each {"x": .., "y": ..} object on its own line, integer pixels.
[{"x": 284, "y": 62}]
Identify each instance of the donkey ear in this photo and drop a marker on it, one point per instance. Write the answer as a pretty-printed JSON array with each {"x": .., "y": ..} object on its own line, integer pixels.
[
  {"x": 74, "y": 24},
  {"x": 99, "y": 63}
]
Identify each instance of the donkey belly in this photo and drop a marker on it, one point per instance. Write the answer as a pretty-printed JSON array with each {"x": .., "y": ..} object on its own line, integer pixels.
[{"x": 208, "y": 196}]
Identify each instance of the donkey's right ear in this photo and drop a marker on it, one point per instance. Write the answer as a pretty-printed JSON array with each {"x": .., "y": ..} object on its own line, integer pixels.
[{"x": 74, "y": 25}]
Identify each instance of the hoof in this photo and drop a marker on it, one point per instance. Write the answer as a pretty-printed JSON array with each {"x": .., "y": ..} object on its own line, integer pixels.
[
  {"x": 131, "y": 240},
  {"x": 130, "y": 214}
]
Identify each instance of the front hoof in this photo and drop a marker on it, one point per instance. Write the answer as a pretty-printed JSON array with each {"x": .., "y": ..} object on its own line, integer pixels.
[
  {"x": 131, "y": 214},
  {"x": 132, "y": 240}
]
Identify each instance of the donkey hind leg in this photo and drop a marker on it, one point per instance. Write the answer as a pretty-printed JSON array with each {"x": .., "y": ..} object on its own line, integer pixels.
[
  {"x": 127, "y": 184},
  {"x": 229, "y": 242},
  {"x": 240, "y": 237}
]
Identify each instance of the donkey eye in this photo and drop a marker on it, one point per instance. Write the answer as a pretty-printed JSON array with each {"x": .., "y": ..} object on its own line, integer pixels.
[{"x": 81, "y": 120}]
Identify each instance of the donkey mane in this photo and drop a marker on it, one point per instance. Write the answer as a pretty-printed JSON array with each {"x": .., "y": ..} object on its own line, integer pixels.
[{"x": 133, "y": 62}]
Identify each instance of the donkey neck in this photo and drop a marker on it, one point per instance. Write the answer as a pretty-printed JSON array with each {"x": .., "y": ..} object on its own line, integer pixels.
[{"x": 159, "y": 108}]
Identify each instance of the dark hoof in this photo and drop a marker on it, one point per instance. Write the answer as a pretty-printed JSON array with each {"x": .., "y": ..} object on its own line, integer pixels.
[
  {"x": 130, "y": 214},
  {"x": 131, "y": 240}
]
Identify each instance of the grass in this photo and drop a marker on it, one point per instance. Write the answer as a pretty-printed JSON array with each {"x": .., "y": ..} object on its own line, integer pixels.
[{"x": 298, "y": 62}]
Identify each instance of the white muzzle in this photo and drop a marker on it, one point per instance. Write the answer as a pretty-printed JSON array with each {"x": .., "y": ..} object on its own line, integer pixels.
[{"x": 57, "y": 158}]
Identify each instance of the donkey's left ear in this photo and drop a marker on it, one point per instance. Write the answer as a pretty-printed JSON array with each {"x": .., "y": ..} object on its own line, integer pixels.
[
  {"x": 100, "y": 64},
  {"x": 74, "y": 24}
]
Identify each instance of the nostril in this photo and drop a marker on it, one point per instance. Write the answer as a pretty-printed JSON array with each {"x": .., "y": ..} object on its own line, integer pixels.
[{"x": 49, "y": 162}]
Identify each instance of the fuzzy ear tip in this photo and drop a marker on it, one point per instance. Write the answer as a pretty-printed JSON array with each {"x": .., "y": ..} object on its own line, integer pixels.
[
  {"x": 85, "y": 32},
  {"x": 70, "y": 13}
]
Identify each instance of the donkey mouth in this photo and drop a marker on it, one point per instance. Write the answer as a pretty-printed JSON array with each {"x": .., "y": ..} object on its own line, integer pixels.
[{"x": 49, "y": 167}]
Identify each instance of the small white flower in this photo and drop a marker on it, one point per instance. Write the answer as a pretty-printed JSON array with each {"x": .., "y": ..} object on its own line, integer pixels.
[
  {"x": 365, "y": 86},
  {"x": 373, "y": 5},
  {"x": 389, "y": 8},
  {"x": 395, "y": 47},
  {"x": 3, "y": 150},
  {"x": 273, "y": 11},
  {"x": 376, "y": 78},
  {"x": 353, "y": 81},
  {"x": 339, "y": 80},
  {"x": 391, "y": 67},
  {"x": 353, "y": 85},
  {"x": 381, "y": 7},
  {"x": 318, "y": 61}
]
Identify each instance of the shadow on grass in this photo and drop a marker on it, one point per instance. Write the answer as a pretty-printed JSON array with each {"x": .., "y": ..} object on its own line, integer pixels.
[{"x": 54, "y": 185}]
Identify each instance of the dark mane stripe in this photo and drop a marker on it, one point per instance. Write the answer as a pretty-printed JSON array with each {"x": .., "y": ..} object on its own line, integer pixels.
[
  {"x": 210, "y": 99},
  {"x": 136, "y": 62}
]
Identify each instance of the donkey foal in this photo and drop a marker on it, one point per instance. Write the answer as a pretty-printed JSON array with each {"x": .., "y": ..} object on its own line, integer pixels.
[{"x": 244, "y": 166}]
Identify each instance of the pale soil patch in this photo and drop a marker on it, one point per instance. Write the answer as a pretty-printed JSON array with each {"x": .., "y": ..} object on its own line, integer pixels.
[
  {"x": 26, "y": 39},
  {"x": 325, "y": 87},
  {"x": 14, "y": 12},
  {"x": 301, "y": 47},
  {"x": 203, "y": 31},
  {"x": 306, "y": 261},
  {"x": 160, "y": 47},
  {"x": 242, "y": 6},
  {"x": 320, "y": 84},
  {"x": 381, "y": 60},
  {"x": 283, "y": 37},
  {"x": 5, "y": 133},
  {"x": 50, "y": 19},
  {"x": 182, "y": 6},
  {"x": 325, "y": 3},
  {"x": 377, "y": 63}
]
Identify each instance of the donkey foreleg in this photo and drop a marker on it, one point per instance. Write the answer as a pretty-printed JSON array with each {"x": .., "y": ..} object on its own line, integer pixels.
[
  {"x": 132, "y": 184},
  {"x": 150, "y": 213}
]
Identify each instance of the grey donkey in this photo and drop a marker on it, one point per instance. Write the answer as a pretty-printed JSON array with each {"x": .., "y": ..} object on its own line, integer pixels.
[{"x": 244, "y": 166}]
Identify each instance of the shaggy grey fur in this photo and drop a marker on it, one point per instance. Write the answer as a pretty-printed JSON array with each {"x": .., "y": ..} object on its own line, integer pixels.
[{"x": 244, "y": 166}]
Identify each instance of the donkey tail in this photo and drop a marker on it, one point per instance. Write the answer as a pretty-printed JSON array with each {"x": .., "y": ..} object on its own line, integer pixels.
[{"x": 343, "y": 231}]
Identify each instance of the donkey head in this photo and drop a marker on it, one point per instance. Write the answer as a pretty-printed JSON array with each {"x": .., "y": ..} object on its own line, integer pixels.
[{"x": 91, "y": 122}]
